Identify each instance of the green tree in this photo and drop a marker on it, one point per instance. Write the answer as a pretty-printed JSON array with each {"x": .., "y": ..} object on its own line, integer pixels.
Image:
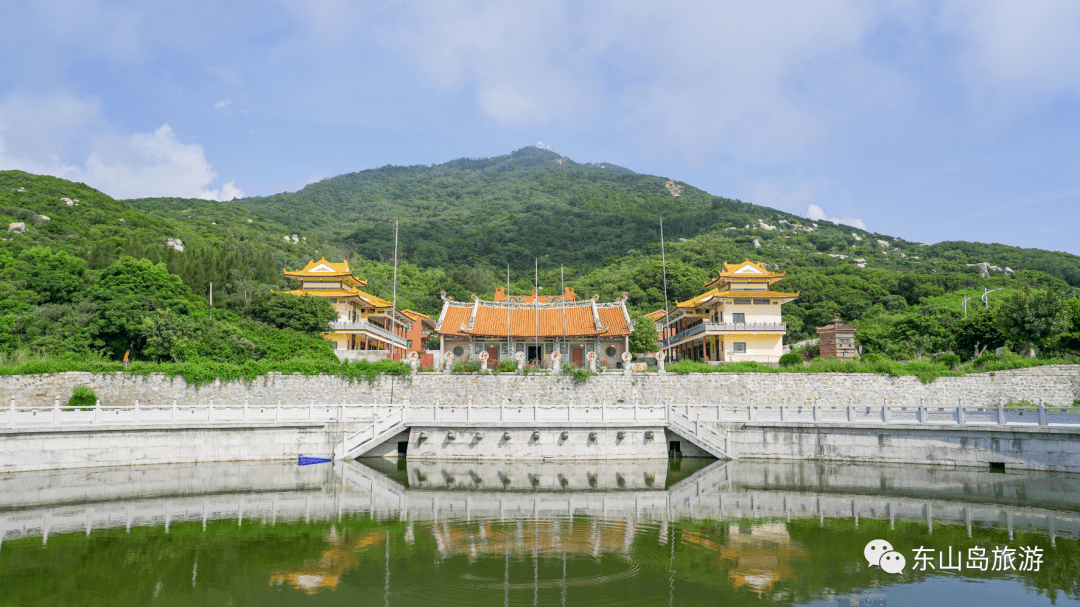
[
  {"x": 979, "y": 331},
  {"x": 128, "y": 291},
  {"x": 643, "y": 339},
  {"x": 55, "y": 276},
  {"x": 168, "y": 335},
  {"x": 1031, "y": 320},
  {"x": 310, "y": 315}
]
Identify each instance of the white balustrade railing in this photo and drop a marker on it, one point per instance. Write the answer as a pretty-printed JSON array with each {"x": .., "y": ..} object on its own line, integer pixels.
[
  {"x": 13, "y": 415},
  {"x": 31, "y": 416},
  {"x": 957, "y": 416}
]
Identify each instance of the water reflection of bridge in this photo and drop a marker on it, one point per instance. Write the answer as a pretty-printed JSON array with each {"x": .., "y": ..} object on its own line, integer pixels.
[{"x": 47, "y": 503}]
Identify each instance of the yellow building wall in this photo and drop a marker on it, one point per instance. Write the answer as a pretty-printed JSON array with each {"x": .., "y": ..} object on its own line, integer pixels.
[
  {"x": 754, "y": 313},
  {"x": 760, "y": 345}
]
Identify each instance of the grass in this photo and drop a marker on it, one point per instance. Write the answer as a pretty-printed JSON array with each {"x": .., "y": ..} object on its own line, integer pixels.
[{"x": 200, "y": 373}]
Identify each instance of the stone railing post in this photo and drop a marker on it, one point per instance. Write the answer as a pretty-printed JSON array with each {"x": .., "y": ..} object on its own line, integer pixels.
[
  {"x": 135, "y": 412},
  {"x": 961, "y": 415},
  {"x": 1001, "y": 414},
  {"x": 245, "y": 410},
  {"x": 11, "y": 414},
  {"x": 172, "y": 413},
  {"x": 886, "y": 414},
  {"x": 922, "y": 410},
  {"x": 468, "y": 408},
  {"x": 750, "y": 412},
  {"x": 97, "y": 412},
  {"x": 850, "y": 414},
  {"x": 1042, "y": 414},
  {"x": 56, "y": 412}
]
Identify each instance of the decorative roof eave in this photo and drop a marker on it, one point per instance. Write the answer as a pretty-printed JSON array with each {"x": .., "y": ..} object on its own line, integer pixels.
[{"x": 757, "y": 295}]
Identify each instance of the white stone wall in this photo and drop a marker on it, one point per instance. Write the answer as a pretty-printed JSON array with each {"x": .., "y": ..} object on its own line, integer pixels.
[
  {"x": 487, "y": 443},
  {"x": 1057, "y": 385},
  {"x": 43, "y": 449},
  {"x": 1054, "y": 449}
]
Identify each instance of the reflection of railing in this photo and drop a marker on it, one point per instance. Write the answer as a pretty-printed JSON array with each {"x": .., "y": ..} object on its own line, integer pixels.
[
  {"x": 370, "y": 327},
  {"x": 748, "y": 327},
  {"x": 367, "y": 492}
]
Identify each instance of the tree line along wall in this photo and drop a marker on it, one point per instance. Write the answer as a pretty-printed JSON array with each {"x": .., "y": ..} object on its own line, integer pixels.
[{"x": 1054, "y": 385}]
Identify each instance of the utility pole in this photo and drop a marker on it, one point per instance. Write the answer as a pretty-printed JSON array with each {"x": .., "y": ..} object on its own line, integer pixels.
[
  {"x": 393, "y": 311},
  {"x": 964, "y": 304},
  {"x": 986, "y": 292},
  {"x": 663, "y": 264}
]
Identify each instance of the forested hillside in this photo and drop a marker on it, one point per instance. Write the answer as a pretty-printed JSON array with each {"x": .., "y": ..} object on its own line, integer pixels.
[{"x": 464, "y": 222}]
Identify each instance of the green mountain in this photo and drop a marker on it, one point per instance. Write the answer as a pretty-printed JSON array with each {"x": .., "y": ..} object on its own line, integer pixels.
[{"x": 594, "y": 225}]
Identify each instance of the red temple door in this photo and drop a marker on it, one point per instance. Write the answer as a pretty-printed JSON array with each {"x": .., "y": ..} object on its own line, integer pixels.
[
  {"x": 575, "y": 356},
  {"x": 493, "y": 356}
]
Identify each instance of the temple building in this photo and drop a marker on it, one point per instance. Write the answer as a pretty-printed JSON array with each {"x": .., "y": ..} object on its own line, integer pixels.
[
  {"x": 367, "y": 326},
  {"x": 535, "y": 326},
  {"x": 837, "y": 340},
  {"x": 421, "y": 329},
  {"x": 737, "y": 319}
]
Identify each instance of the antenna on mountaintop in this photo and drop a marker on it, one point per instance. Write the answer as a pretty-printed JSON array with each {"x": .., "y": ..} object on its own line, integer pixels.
[{"x": 964, "y": 304}]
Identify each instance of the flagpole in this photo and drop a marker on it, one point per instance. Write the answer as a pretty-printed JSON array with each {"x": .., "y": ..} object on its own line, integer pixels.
[
  {"x": 536, "y": 309},
  {"x": 663, "y": 262},
  {"x": 509, "y": 349},
  {"x": 393, "y": 312},
  {"x": 562, "y": 285}
]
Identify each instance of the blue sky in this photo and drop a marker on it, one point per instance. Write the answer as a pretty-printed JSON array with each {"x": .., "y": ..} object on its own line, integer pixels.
[{"x": 951, "y": 120}]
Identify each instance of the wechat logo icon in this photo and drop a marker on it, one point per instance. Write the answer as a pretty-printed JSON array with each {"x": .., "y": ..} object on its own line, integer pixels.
[{"x": 880, "y": 553}]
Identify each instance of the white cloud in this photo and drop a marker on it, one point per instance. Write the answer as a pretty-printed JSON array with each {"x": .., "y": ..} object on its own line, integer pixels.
[
  {"x": 1017, "y": 52},
  {"x": 816, "y": 213},
  {"x": 223, "y": 104},
  {"x": 68, "y": 137}
]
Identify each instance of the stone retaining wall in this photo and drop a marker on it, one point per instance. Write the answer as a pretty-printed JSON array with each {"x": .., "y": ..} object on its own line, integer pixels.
[{"x": 1054, "y": 385}]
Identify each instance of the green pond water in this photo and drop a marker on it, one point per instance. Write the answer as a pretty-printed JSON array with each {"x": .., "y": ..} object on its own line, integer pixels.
[{"x": 687, "y": 532}]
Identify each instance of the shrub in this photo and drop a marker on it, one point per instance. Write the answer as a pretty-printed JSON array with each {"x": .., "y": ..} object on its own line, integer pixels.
[
  {"x": 949, "y": 360},
  {"x": 790, "y": 359},
  {"x": 82, "y": 397},
  {"x": 985, "y": 358},
  {"x": 580, "y": 374},
  {"x": 870, "y": 358},
  {"x": 508, "y": 365},
  {"x": 472, "y": 366}
]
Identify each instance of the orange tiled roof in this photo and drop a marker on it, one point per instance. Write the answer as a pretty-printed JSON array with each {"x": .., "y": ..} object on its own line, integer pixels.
[
  {"x": 543, "y": 320},
  {"x": 655, "y": 316}
]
